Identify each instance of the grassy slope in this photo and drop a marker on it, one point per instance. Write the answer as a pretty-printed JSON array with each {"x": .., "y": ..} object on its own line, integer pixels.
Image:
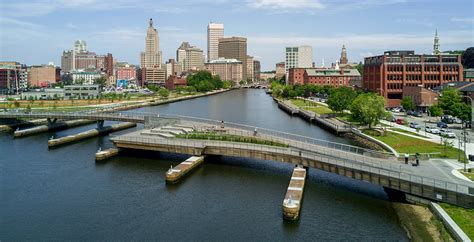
[
  {"x": 463, "y": 217},
  {"x": 311, "y": 106},
  {"x": 404, "y": 144}
]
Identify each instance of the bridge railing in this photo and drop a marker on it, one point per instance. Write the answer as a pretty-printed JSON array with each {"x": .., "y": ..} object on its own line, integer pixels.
[
  {"x": 380, "y": 168},
  {"x": 76, "y": 115},
  {"x": 279, "y": 135}
]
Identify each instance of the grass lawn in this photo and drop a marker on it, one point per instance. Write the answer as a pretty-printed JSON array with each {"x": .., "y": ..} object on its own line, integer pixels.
[
  {"x": 229, "y": 137},
  {"x": 463, "y": 217},
  {"x": 311, "y": 106},
  {"x": 469, "y": 175},
  {"x": 408, "y": 132},
  {"x": 405, "y": 144}
]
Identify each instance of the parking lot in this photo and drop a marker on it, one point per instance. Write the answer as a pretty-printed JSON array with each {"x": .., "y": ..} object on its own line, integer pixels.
[{"x": 432, "y": 121}]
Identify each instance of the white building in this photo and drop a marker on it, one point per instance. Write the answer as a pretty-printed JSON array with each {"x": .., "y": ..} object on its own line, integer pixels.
[
  {"x": 215, "y": 31},
  {"x": 298, "y": 57},
  {"x": 85, "y": 77}
]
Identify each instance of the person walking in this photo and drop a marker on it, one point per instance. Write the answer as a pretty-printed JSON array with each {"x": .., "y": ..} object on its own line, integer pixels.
[
  {"x": 417, "y": 159},
  {"x": 406, "y": 158}
]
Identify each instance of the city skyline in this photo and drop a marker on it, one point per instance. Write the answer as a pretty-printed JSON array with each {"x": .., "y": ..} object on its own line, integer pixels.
[{"x": 324, "y": 25}]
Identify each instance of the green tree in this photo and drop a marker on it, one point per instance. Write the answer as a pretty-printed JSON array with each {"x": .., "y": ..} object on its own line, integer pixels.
[
  {"x": 101, "y": 81},
  {"x": 226, "y": 84},
  {"x": 448, "y": 98},
  {"x": 341, "y": 99},
  {"x": 368, "y": 109},
  {"x": 436, "y": 111},
  {"x": 468, "y": 58},
  {"x": 407, "y": 103},
  {"x": 164, "y": 93}
]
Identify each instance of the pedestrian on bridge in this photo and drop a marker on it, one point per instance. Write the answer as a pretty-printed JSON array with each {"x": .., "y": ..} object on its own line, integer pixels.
[{"x": 407, "y": 156}]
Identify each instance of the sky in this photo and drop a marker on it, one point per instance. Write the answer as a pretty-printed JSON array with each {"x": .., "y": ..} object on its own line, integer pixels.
[{"x": 36, "y": 32}]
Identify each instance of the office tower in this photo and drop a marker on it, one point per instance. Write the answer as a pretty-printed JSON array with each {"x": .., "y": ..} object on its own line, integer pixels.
[{"x": 215, "y": 31}]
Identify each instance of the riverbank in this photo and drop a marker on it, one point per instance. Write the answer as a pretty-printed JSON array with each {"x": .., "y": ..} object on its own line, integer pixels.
[{"x": 420, "y": 223}]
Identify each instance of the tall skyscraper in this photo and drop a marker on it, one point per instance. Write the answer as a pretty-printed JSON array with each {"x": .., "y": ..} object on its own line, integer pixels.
[
  {"x": 190, "y": 57},
  {"x": 298, "y": 57},
  {"x": 215, "y": 31},
  {"x": 343, "y": 59},
  {"x": 436, "y": 50},
  {"x": 235, "y": 48},
  {"x": 152, "y": 55}
]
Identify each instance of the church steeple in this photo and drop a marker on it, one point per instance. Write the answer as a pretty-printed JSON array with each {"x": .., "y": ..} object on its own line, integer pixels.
[
  {"x": 343, "y": 59},
  {"x": 436, "y": 50}
]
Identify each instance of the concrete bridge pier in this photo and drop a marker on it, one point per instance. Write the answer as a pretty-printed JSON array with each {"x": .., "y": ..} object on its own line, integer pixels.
[
  {"x": 102, "y": 155},
  {"x": 10, "y": 127},
  {"x": 294, "y": 195},
  {"x": 51, "y": 127},
  {"x": 89, "y": 134},
  {"x": 100, "y": 124},
  {"x": 52, "y": 121},
  {"x": 175, "y": 173}
]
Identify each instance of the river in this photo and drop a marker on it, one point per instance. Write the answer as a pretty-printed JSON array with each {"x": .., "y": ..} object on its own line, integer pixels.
[{"x": 62, "y": 194}]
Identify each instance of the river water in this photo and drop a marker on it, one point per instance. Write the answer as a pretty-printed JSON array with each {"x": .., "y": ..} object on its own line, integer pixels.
[{"x": 62, "y": 194}]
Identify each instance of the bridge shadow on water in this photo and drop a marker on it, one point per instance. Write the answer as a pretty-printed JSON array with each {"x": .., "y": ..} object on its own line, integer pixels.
[{"x": 161, "y": 162}]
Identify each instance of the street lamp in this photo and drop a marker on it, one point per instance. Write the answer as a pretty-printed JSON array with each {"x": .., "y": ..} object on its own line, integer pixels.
[{"x": 464, "y": 131}]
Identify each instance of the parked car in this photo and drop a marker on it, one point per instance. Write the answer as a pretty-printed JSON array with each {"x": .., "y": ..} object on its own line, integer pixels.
[
  {"x": 447, "y": 119},
  {"x": 447, "y": 133},
  {"x": 410, "y": 112},
  {"x": 418, "y": 114},
  {"x": 400, "y": 121},
  {"x": 432, "y": 130},
  {"x": 414, "y": 125},
  {"x": 457, "y": 120},
  {"x": 396, "y": 110},
  {"x": 442, "y": 125}
]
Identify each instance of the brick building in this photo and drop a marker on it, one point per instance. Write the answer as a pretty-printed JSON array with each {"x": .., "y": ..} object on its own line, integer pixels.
[
  {"x": 174, "y": 81},
  {"x": 227, "y": 69},
  {"x": 422, "y": 97},
  {"x": 322, "y": 76},
  {"x": 126, "y": 73},
  {"x": 389, "y": 73},
  {"x": 43, "y": 76}
]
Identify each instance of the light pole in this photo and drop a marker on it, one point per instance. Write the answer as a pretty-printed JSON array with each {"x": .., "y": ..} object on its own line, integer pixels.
[
  {"x": 464, "y": 131},
  {"x": 472, "y": 111}
]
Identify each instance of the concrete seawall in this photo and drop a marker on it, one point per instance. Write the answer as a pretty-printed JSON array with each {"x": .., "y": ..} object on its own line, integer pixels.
[
  {"x": 313, "y": 117},
  {"x": 165, "y": 101},
  {"x": 89, "y": 134},
  {"x": 51, "y": 127},
  {"x": 449, "y": 223}
]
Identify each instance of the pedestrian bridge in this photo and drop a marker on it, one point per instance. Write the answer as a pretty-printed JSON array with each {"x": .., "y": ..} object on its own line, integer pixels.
[
  {"x": 431, "y": 180},
  {"x": 89, "y": 115},
  {"x": 428, "y": 180}
]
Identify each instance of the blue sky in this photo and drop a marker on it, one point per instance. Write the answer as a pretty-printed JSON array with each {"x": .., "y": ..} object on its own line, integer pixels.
[{"x": 37, "y": 31}]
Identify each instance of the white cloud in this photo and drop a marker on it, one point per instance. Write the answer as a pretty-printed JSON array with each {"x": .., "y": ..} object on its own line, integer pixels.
[{"x": 285, "y": 4}]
